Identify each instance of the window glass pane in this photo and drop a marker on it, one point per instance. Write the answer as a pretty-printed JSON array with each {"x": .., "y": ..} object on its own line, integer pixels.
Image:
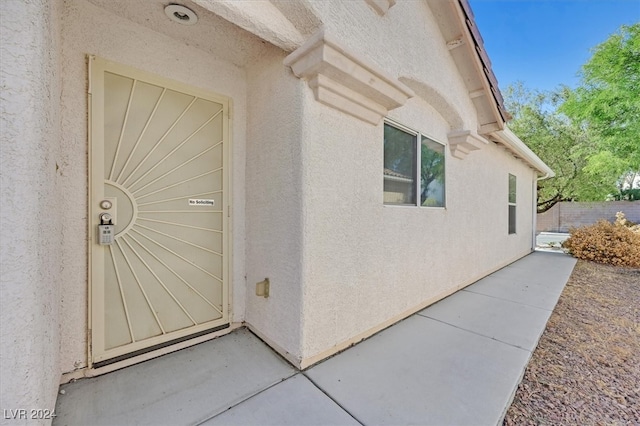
[
  {"x": 512, "y": 219},
  {"x": 512, "y": 188},
  {"x": 512, "y": 204},
  {"x": 399, "y": 166},
  {"x": 431, "y": 173}
]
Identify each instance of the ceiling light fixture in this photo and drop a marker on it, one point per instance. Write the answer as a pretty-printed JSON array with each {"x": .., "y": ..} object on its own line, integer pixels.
[{"x": 181, "y": 14}]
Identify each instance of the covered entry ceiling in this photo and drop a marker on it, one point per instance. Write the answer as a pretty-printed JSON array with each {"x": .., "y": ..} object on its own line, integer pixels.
[{"x": 211, "y": 34}]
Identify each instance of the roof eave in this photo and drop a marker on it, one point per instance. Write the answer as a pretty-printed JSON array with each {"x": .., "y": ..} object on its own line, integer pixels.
[
  {"x": 521, "y": 151},
  {"x": 457, "y": 25}
]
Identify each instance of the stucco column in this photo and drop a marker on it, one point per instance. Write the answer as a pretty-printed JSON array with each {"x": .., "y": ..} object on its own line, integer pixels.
[
  {"x": 30, "y": 237},
  {"x": 274, "y": 204}
]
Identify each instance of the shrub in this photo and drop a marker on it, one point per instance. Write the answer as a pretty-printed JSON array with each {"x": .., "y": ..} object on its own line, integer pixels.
[{"x": 605, "y": 242}]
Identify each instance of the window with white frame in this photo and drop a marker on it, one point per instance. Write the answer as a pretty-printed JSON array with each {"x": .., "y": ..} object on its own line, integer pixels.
[
  {"x": 414, "y": 171},
  {"x": 512, "y": 204}
]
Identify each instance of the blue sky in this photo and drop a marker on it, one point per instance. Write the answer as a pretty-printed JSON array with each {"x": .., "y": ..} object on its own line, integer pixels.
[{"x": 544, "y": 42}]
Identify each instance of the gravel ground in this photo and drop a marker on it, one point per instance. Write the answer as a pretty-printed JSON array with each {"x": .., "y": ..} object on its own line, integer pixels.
[{"x": 586, "y": 368}]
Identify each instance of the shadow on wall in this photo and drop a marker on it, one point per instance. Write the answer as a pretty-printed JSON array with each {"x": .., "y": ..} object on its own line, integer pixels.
[{"x": 566, "y": 215}]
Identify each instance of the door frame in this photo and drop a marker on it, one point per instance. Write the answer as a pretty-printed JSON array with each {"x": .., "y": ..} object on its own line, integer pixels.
[{"x": 95, "y": 132}]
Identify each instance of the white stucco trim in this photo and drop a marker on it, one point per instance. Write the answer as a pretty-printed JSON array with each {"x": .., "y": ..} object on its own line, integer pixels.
[
  {"x": 434, "y": 97},
  {"x": 345, "y": 80},
  {"x": 261, "y": 18},
  {"x": 461, "y": 142},
  {"x": 513, "y": 143},
  {"x": 381, "y": 6}
]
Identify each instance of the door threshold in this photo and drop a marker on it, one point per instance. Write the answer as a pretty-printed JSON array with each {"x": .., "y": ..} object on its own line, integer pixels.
[
  {"x": 151, "y": 353},
  {"x": 133, "y": 354}
]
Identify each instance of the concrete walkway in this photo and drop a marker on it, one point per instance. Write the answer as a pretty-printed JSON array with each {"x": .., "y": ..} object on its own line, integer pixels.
[{"x": 458, "y": 362}]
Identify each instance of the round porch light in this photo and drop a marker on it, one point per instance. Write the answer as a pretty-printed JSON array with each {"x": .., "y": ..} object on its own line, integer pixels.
[{"x": 181, "y": 14}]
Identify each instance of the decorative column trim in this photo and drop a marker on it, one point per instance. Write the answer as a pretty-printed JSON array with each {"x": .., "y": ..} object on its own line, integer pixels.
[
  {"x": 260, "y": 18},
  {"x": 346, "y": 81},
  {"x": 381, "y": 6},
  {"x": 461, "y": 142}
]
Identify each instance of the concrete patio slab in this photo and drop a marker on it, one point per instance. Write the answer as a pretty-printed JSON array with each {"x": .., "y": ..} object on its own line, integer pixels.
[
  {"x": 520, "y": 290},
  {"x": 457, "y": 362},
  {"x": 544, "y": 260},
  {"x": 539, "y": 267},
  {"x": 185, "y": 387},
  {"x": 529, "y": 275},
  {"x": 535, "y": 280},
  {"x": 296, "y": 402},
  {"x": 509, "y": 322},
  {"x": 422, "y": 371}
]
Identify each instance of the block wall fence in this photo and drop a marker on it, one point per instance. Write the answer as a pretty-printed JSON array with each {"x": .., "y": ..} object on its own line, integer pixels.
[{"x": 566, "y": 215}]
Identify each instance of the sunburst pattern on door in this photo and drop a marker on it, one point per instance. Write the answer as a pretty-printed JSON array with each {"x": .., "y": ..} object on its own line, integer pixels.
[{"x": 163, "y": 160}]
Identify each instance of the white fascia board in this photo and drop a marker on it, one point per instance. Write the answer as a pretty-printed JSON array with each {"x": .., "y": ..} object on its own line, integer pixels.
[{"x": 520, "y": 149}]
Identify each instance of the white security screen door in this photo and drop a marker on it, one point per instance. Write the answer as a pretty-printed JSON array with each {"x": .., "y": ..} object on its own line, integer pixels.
[{"x": 159, "y": 169}]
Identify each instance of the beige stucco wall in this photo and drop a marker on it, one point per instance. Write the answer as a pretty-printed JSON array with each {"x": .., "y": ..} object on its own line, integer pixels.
[
  {"x": 405, "y": 42},
  {"x": 274, "y": 202},
  {"x": 30, "y": 230},
  {"x": 365, "y": 264},
  {"x": 89, "y": 29},
  {"x": 341, "y": 264},
  {"x": 308, "y": 208}
]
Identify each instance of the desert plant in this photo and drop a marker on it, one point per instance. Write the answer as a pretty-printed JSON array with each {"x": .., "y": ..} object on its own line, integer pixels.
[
  {"x": 605, "y": 242},
  {"x": 623, "y": 221}
]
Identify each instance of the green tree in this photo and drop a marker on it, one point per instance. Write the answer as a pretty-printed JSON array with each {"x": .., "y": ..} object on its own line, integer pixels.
[
  {"x": 560, "y": 142},
  {"x": 431, "y": 167},
  {"x": 607, "y": 104}
]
